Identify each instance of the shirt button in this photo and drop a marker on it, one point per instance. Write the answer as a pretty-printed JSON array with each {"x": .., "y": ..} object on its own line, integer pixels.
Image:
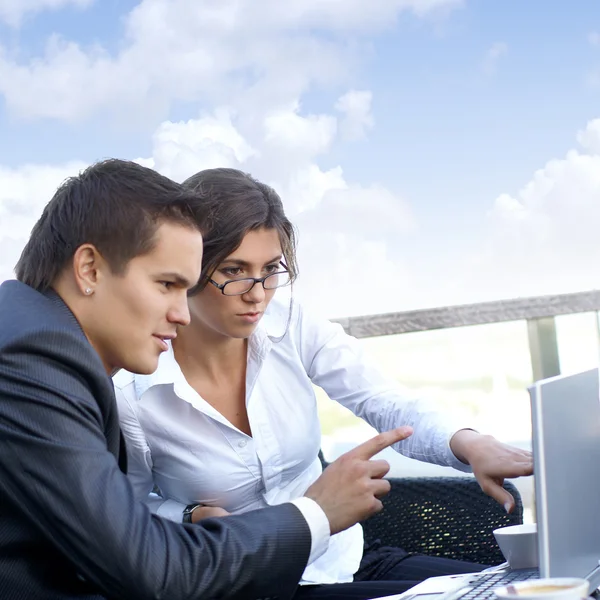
[{"x": 242, "y": 444}]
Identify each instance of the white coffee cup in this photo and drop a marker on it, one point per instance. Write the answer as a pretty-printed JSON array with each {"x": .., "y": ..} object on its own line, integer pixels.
[
  {"x": 553, "y": 588},
  {"x": 519, "y": 545}
]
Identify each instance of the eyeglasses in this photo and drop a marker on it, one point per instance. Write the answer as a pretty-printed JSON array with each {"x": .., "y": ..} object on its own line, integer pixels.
[{"x": 237, "y": 287}]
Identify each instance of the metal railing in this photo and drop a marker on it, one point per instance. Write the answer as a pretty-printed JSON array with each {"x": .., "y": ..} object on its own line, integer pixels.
[{"x": 539, "y": 312}]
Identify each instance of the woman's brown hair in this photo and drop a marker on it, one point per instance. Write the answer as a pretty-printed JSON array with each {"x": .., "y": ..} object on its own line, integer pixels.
[{"x": 236, "y": 204}]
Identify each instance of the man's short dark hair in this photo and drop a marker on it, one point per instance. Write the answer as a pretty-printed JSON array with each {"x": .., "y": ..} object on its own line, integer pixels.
[{"x": 117, "y": 206}]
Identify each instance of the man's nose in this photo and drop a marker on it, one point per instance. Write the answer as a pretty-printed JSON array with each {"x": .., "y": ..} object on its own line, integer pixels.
[{"x": 180, "y": 311}]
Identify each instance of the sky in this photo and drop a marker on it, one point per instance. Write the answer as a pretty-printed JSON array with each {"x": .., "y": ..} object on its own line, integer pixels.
[{"x": 429, "y": 152}]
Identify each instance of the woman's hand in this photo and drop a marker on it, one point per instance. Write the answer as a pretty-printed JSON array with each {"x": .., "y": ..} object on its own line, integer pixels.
[
  {"x": 206, "y": 512},
  {"x": 492, "y": 462}
]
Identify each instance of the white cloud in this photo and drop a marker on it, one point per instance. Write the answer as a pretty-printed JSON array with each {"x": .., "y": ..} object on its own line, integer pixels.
[
  {"x": 589, "y": 138},
  {"x": 545, "y": 238},
  {"x": 13, "y": 11},
  {"x": 541, "y": 239},
  {"x": 345, "y": 228},
  {"x": 236, "y": 55},
  {"x": 203, "y": 50},
  {"x": 344, "y": 15},
  {"x": 371, "y": 213},
  {"x": 356, "y": 107},
  {"x": 493, "y": 55},
  {"x": 23, "y": 194},
  {"x": 181, "y": 149},
  {"x": 342, "y": 275},
  {"x": 510, "y": 208},
  {"x": 286, "y": 130},
  {"x": 306, "y": 186},
  {"x": 345, "y": 243}
]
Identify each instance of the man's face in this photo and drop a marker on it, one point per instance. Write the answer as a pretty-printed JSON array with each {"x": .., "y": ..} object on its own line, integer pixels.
[{"x": 134, "y": 313}]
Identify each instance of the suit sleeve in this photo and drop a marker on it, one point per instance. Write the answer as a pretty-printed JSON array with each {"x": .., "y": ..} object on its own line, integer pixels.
[{"x": 55, "y": 467}]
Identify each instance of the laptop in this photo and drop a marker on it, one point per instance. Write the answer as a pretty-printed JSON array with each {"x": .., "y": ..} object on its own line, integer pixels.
[{"x": 565, "y": 414}]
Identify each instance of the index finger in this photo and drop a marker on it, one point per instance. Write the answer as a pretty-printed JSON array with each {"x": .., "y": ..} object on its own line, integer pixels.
[{"x": 380, "y": 442}]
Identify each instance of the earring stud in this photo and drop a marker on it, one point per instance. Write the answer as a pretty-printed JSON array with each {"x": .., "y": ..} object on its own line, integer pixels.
[{"x": 88, "y": 291}]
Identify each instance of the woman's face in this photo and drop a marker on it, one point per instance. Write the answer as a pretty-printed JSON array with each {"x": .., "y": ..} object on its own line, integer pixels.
[{"x": 258, "y": 255}]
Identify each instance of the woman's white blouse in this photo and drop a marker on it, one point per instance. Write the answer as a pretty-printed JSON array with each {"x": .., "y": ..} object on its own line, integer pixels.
[{"x": 179, "y": 442}]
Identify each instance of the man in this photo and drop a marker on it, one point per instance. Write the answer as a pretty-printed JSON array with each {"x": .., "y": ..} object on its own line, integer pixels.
[{"x": 101, "y": 285}]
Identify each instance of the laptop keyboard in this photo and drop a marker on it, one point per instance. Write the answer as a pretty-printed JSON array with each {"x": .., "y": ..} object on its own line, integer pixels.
[{"x": 482, "y": 586}]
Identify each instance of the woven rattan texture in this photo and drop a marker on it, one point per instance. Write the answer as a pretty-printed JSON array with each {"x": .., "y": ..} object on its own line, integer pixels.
[{"x": 443, "y": 516}]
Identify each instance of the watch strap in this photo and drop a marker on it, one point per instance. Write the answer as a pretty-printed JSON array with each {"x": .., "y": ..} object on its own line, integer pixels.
[{"x": 188, "y": 510}]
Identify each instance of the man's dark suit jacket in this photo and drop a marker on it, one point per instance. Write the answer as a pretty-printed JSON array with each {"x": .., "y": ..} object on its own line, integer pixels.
[{"x": 69, "y": 524}]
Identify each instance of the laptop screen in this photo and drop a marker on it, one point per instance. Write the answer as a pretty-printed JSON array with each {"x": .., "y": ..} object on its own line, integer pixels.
[{"x": 566, "y": 445}]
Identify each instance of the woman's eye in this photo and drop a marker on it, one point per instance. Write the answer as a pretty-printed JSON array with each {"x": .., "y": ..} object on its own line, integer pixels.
[
  {"x": 166, "y": 284},
  {"x": 231, "y": 271},
  {"x": 272, "y": 269}
]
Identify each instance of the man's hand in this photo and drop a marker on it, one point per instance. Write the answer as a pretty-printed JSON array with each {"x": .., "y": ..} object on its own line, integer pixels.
[
  {"x": 492, "y": 462},
  {"x": 205, "y": 512},
  {"x": 349, "y": 489}
]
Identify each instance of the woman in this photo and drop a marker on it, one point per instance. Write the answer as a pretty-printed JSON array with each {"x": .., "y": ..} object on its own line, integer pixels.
[{"x": 228, "y": 423}]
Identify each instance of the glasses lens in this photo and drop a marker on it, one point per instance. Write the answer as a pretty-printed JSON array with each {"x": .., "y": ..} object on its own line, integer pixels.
[
  {"x": 277, "y": 280},
  {"x": 238, "y": 287}
]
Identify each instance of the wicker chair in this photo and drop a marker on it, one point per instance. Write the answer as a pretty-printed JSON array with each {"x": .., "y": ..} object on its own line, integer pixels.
[{"x": 442, "y": 516}]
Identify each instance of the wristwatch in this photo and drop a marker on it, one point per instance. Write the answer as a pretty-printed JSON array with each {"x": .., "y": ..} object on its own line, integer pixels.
[{"x": 188, "y": 510}]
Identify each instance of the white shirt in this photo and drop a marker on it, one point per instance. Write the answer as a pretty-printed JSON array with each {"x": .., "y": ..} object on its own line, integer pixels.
[{"x": 178, "y": 441}]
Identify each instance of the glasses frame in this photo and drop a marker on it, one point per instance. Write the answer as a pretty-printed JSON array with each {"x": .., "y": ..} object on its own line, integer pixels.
[{"x": 255, "y": 280}]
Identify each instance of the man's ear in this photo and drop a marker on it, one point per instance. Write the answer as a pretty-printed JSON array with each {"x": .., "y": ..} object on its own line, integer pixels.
[{"x": 87, "y": 268}]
